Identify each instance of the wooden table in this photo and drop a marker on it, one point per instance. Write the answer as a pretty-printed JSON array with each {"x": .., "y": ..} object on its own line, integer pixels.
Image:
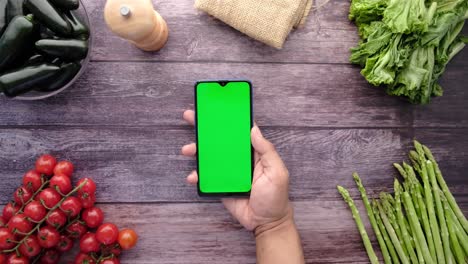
[{"x": 122, "y": 125}]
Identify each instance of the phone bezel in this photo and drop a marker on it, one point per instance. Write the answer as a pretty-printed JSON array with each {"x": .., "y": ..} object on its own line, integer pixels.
[{"x": 224, "y": 194}]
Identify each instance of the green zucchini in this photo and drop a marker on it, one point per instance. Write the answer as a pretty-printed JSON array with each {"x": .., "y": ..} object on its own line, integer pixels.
[
  {"x": 15, "y": 41},
  {"x": 67, "y": 49},
  {"x": 80, "y": 30},
  {"x": 26, "y": 79},
  {"x": 49, "y": 16},
  {"x": 3, "y": 18},
  {"x": 66, "y": 4},
  {"x": 61, "y": 78}
]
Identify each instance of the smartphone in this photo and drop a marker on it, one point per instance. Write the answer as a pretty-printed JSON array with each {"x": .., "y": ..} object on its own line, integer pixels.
[{"x": 223, "y": 121}]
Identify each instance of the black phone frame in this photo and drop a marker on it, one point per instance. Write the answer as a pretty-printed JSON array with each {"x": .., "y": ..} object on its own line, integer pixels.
[{"x": 224, "y": 194}]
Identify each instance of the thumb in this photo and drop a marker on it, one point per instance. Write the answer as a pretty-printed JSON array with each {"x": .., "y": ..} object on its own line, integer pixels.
[{"x": 260, "y": 144}]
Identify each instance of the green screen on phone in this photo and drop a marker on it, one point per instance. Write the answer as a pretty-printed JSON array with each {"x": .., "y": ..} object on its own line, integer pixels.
[{"x": 223, "y": 121}]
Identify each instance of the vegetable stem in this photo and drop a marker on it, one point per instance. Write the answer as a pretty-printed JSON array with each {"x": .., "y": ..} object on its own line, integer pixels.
[
  {"x": 445, "y": 189},
  {"x": 365, "y": 238},
  {"x": 416, "y": 227},
  {"x": 370, "y": 214}
]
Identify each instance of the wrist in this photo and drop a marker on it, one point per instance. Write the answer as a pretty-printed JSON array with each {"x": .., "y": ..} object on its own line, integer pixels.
[{"x": 284, "y": 223}]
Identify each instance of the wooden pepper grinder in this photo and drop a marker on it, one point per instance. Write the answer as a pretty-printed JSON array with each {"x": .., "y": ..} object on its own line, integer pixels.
[{"x": 138, "y": 22}]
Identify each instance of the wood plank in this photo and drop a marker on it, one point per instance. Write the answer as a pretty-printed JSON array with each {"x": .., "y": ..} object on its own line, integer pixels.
[
  {"x": 205, "y": 233},
  {"x": 143, "y": 164},
  {"x": 195, "y": 36},
  {"x": 449, "y": 110},
  {"x": 157, "y": 93}
]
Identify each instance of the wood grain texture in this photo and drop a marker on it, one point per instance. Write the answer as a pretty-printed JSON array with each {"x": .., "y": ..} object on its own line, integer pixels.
[
  {"x": 144, "y": 164},
  {"x": 205, "y": 233},
  {"x": 195, "y": 36},
  {"x": 121, "y": 124},
  {"x": 130, "y": 94},
  {"x": 449, "y": 110}
]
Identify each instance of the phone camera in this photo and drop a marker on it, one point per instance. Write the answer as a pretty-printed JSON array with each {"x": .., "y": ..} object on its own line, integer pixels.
[{"x": 223, "y": 83}]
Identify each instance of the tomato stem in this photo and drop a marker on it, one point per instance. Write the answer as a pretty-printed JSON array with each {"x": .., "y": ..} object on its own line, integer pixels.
[
  {"x": 33, "y": 196},
  {"x": 36, "y": 228}
]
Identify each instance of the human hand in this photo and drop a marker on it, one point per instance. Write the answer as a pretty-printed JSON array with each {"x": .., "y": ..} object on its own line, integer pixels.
[{"x": 268, "y": 205}]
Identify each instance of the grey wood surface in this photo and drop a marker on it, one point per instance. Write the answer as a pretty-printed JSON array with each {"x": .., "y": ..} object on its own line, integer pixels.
[{"x": 121, "y": 124}]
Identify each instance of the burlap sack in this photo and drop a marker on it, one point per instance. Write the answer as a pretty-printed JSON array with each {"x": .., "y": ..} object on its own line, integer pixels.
[{"x": 268, "y": 21}]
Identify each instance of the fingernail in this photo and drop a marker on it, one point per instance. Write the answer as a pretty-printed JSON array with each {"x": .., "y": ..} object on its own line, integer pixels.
[{"x": 257, "y": 131}]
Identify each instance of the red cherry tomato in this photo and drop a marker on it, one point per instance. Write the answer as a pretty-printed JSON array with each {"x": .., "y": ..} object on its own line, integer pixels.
[
  {"x": 3, "y": 258},
  {"x": 15, "y": 259},
  {"x": 110, "y": 261},
  {"x": 64, "y": 167},
  {"x": 76, "y": 230},
  {"x": 127, "y": 238},
  {"x": 9, "y": 210},
  {"x": 65, "y": 244},
  {"x": 48, "y": 236},
  {"x": 87, "y": 200},
  {"x": 89, "y": 187},
  {"x": 62, "y": 183},
  {"x": 49, "y": 197},
  {"x": 107, "y": 233},
  {"x": 93, "y": 217},
  {"x": 71, "y": 206},
  {"x": 83, "y": 258},
  {"x": 32, "y": 180},
  {"x": 45, "y": 164},
  {"x": 19, "y": 224},
  {"x": 56, "y": 218},
  {"x": 51, "y": 256},
  {"x": 30, "y": 247},
  {"x": 35, "y": 211},
  {"x": 6, "y": 239},
  {"x": 2, "y": 222},
  {"x": 89, "y": 243},
  {"x": 22, "y": 195}
]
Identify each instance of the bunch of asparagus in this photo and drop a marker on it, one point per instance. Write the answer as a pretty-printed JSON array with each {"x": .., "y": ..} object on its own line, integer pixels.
[{"x": 421, "y": 222}]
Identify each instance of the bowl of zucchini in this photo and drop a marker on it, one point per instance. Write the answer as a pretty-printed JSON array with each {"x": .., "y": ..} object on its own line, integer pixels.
[{"x": 44, "y": 46}]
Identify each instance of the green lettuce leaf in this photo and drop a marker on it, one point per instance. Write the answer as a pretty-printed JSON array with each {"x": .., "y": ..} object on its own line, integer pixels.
[
  {"x": 366, "y": 11},
  {"x": 405, "y": 16}
]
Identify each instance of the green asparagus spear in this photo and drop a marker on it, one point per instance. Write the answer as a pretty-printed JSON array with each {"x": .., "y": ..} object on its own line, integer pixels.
[
  {"x": 414, "y": 187},
  {"x": 416, "y": 227},
  {"x": 371, "y": 216},
  {"x": 401, "y": 222},
  {"x": 425, "y": 220},
  {"x": 440, "y": 212},
  {"x": 457, "y": 249},
  {"x": 445, "y": 189},
  {"x": 401, "y": 170},
  {"x": 412, "y": 176},
  {"x": 414, "y": 157},
  {"x": 419, "y": 250},
  {"x": 365, "y": 238},
  {"x": 462, "y": 236},
  {"x": 432, "y": 215},
  {"x": 385, "y": 235},
  {"x": 393, "y": 235}
]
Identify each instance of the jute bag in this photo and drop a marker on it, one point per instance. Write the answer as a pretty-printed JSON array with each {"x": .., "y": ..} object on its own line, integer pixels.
[{"x": 268, "y": 21}]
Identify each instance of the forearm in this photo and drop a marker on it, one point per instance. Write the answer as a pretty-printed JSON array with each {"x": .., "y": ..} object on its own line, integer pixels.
[{"x": 279, "y": 243}]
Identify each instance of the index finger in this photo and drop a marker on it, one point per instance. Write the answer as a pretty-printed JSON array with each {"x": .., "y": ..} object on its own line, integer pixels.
[{"x": 189, "y": 116}]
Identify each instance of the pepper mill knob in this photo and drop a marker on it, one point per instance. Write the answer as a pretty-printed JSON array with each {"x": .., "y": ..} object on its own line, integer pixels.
[{"x": 138, "y": 22}]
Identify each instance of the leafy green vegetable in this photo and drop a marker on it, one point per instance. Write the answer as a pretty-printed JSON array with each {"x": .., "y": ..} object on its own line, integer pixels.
[{"x": 406, "y": 45}]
